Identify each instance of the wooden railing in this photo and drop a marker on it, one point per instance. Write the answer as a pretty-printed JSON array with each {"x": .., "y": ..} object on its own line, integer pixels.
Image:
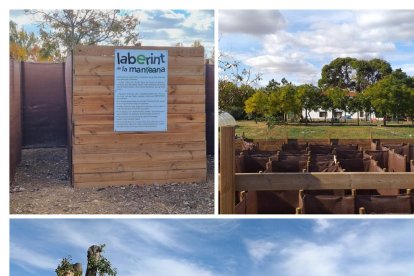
[{"x": 230, "y": 182}]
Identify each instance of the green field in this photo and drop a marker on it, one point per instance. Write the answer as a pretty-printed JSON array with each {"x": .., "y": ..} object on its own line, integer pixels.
[{"x": 259, "y": 131}]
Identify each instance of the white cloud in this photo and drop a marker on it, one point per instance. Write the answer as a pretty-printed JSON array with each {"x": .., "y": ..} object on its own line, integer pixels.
[
  {"x": 408, "y": 68},
  {"x": 374, "y": 249},
  {"x": 156, "y": 233},
  {"x": 260, "y": 249},
  {"x": 173, "y": 33},
  {"x": 212, "y": 227},
  {"x": 172, "y": 15},
  {"x": 321, "y": 225},
  {"x": 254, "y": 22},
  {"x": 280, "y": 64},
  {"x": 199, "y": 20},
  {"x": 26, "y": 257},
  {"x": 143, "y": 15},
  {"x": 168, "y": 266},
  {"x": 296, "y": 43},
  {"x": 311, "y": 259}
]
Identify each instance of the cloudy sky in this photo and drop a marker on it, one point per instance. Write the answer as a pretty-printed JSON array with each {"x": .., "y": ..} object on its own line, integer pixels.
[
  {"x": 158, "y": 27},
  {"x": 218, "y": 246},
  {"x": 297, "y": 43}
]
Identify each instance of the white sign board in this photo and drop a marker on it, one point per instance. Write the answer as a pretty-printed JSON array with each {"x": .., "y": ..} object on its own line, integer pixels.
[{"x": 140, "y": 90}]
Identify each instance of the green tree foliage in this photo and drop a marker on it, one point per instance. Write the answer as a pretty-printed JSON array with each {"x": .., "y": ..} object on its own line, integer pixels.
[
  {"x": 232, "y": 98},
  {"x": 338, "y": 99},
  {"x": 288, "y": 101},
  {"x": 309, "y": 97},
  {"x": 97, "y": 265},
  {"x": 393, "y": 95},
  {"x": 66, "y": 267},
  {"x": 272, "y": 85},
  {"x": 257, "y": 105},
  {"x": 101, "y": 265},
  {"x": 339, "y": 73},
  {"x": 66, "y": 28},
  {"x": 370, "y": 71},
  {"x": 353, "y": 74},
  {"x": 24, "y": 46}
]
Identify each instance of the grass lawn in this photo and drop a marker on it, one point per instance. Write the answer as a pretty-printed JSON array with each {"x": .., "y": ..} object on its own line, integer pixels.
[{"x": 259, "y": 131}]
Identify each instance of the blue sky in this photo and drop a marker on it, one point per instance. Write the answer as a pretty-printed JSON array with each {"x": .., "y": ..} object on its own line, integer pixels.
[
  {"x": 218, "y": 246},
  {"x": 297, "y": 43},
  {"x": 158, "y": 27}
]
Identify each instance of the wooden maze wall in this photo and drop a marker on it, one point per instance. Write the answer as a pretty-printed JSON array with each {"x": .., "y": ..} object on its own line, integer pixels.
[
  {"x": 102, "y": 157},
  {"x": 15, "y": 133}
]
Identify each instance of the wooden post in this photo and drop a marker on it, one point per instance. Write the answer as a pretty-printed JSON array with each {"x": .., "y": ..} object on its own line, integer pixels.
[{"x": 227, "y": 171}]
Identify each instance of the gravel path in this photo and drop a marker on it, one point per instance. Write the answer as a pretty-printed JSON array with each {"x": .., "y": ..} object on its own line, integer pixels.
[{"x": 41, "y": 186}]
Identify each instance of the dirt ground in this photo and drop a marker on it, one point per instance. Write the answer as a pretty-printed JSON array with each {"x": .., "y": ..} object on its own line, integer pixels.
[{"x": 42, "y": 186}]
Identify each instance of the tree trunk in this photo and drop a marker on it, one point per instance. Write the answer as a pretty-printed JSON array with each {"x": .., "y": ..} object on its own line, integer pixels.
[
  {"x": 306, "y": 116},
  {"x": 358, "y": 118},
  {"x": 94, "y": 254},
  {"x": 310, "y": 118},
  {"x": 385, "y": 120}
]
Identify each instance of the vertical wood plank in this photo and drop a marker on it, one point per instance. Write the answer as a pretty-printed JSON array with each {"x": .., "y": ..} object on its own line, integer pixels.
[{"x": 227, "y": 171}]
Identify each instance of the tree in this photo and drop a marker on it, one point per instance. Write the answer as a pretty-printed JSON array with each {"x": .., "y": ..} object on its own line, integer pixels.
[
  {"x": 392, "y": 95},
  {"x": 288, "y": 101},
  {"x": 97, "y": 264},
  {"x": 353, "y": 74},
  {"x": 67, "y": 28},
  {"x": 234, "y": 71},
  {"x": 338, "y": 98},
  {"x": 369, "y": 72},
  {"x": 272, "y": 85},
  {"x": 309, "y": 97},
  {"x": 66, "y": 268},
  {"x": 257, "y": 105},
  {"x": 326, "y": 104},
  {"x": 339, "y": 73},
  {"x": 232, "y": 98}
]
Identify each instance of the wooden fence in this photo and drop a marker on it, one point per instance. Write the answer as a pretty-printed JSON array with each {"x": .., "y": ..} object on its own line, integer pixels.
[
  {"x": 102, "y": 157},
  {"x": 43, "y": 105},
  {"x": 230, "y": 182},
  {"x": 15, "y": 133}
]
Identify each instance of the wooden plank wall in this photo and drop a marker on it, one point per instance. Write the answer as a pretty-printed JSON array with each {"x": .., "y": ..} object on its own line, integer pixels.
[
  {"x": 102, "y": 157},
  {"x": 275, "y": 144},
  {"x": 210, "y": 127},
  {"x": 68, "y": 95},
  {"x": 44, "y": 105},
  {"x": 15, "y": 134}
]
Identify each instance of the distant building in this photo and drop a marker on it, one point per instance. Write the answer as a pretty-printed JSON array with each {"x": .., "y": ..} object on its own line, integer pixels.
[{"x": 321, "y": 114}]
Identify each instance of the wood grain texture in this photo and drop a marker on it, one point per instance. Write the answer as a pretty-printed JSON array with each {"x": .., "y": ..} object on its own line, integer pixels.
[
  {"x": 109, "y": 129},
  {"x": 97, "y": 80},
  {"x": 139, "y": 166},
  {"x": 227, "y": 170},
  {"x": 109, "y": 99},
  {"x": 108, "y": 90},
  {"x": 81, "y": 119},
  {"x": 325, "y": 180},
  {"x": 102, "y": 157},
  {"x": 90, "y": 69},
  {"x": 103, "y": 61},
  {"x": 133, "y": 138},
  {"x": 107, "y": 183},
  {"x": 108, "y": 109},
  {"x": 87, "y": 50}
]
